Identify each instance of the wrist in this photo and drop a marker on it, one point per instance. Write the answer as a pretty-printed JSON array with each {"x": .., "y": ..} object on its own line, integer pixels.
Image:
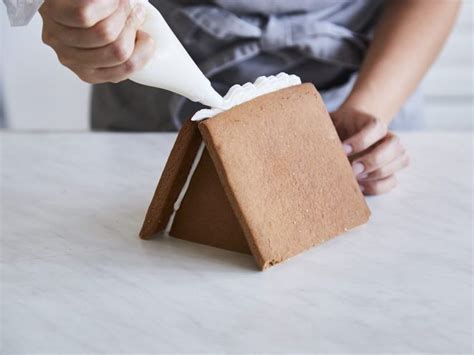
[{"x": 369, "y": 103}]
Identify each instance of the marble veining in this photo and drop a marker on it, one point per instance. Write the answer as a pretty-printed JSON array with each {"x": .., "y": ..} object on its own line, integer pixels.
[{"x": 76, "y": 278}]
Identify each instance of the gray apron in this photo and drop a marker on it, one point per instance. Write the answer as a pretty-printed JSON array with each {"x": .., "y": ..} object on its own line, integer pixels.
[{"x": 233, "y": 42}]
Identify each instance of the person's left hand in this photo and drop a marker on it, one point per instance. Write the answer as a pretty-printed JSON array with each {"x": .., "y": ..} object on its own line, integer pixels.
[{"x": 375, "y": 153}]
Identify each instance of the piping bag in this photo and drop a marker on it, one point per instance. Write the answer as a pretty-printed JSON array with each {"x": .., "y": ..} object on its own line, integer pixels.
[{"x": 171, "y": 67}]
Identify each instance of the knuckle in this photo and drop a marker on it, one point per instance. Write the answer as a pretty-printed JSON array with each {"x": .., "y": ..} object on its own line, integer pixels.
[
  {"x": 120, "y": 51},
  {"x": 380, "y": 127},
  {"x": 377, "y": 187},
  {"x": 105, "y": 31},
  {"x": 84, "y": 77},
  {"x": 46, "y": 37},
  {"x": 395, "y": 139},
  {"x": 372, "y": 160},
  {"x": 363, "y": 142},
  {"x": 83, "y": 13},
  {"x": 130, "y": 66},
  {"x": 369, "y": 188},
  {"x": 64, "y": 60},
  {"x": 378, "y": 174}
]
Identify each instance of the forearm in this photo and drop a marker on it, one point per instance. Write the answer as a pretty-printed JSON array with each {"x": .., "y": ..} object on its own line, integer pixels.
[{"x": 408, "y": 37}]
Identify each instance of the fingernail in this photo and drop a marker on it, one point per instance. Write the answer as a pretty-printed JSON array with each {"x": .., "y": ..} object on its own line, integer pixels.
[
  {"x": 362, "y": 188},
  {"x": 357, "y": 168},
  {"x": 140, "y": 13},
  {"x": 362, "y": 176},
  {"x": 347, "y": 148}
]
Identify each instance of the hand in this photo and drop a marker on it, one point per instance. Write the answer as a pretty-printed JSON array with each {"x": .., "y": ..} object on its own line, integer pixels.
[
  {"x": 97, "y": 39},
  {"x": 375, "y": 154}
]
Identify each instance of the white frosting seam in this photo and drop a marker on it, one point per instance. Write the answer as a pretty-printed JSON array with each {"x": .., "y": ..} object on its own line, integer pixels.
[
  {"x": 239, "y": 94},
  {"x": 185, "y": 187}
]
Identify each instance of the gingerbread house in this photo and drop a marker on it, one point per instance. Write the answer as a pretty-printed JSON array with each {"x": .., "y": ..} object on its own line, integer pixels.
[{"x": 268, "y": 177}]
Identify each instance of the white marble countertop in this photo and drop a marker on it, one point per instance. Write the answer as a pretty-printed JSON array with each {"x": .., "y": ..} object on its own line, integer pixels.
[{"x": 76, "y": 278}]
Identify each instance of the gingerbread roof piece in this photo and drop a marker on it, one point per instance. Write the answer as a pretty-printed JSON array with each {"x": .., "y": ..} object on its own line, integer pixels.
[{"x": 268, "y": 177}]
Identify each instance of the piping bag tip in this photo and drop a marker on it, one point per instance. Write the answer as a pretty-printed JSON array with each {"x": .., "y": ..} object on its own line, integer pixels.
[{"x": 212, "y": 99}]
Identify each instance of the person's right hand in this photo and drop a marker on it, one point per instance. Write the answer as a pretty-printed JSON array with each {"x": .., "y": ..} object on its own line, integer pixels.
[{"x": 98, "y": 40}]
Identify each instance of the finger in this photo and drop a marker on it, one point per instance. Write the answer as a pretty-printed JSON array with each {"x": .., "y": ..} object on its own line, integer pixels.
[
  {"x": 115, "y": 53},
  {"x": 101, "y": 34},
  {"x": 391, "y": 168},
  {"x": 81, "y": 14},
  {"x": 371, "y": 132},
  {"x": 377, "y": 187},
  {"x": 144, "y": 49},
  {"x": 379, "y": 155}
]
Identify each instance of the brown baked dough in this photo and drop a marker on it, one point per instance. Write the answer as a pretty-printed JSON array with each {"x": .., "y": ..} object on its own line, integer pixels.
[{"x": 273, "y": 180}]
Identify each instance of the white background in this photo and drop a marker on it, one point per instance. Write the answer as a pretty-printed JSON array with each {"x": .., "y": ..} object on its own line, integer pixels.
[{"x": 40, "y": 94}]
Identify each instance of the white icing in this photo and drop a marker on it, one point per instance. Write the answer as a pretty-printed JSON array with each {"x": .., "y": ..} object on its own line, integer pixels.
[
  {"x": 185, "y": 187},
  {"x": 239, "y": 94}
]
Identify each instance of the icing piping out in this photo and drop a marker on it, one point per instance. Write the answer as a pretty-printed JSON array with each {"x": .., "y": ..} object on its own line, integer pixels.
[{"x": 239, "y": 94}]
